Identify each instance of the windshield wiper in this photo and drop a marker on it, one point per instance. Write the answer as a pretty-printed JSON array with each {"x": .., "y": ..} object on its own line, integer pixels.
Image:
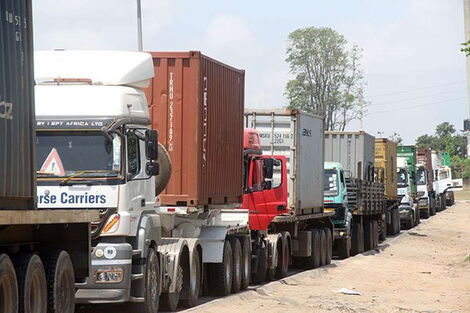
[
  {"x": 48, "y": 174},
  {"x": 80, "y": 173}
]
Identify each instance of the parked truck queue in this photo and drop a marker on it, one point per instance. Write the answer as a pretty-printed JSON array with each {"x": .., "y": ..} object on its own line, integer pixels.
[{"x": 142, "y": 178}]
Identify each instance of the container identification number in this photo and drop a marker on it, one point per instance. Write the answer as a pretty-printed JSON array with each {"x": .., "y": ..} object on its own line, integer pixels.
[{"x": 6, "y": 110}]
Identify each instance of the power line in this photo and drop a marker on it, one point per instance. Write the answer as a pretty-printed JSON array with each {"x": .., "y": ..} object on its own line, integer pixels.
[
  {"x": 416, "y": 106},
  {"x": 414, "y": 89},
  {"x": 417, "y": 98}
]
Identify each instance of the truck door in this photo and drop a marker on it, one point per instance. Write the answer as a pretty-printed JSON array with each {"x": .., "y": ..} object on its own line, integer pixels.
[
  {"x": 268, "y": 190},
  {"x": 138, "y": 195}
]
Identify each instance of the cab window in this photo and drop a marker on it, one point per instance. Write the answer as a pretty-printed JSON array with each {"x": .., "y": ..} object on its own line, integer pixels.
[{"x": 133, "y": 155}]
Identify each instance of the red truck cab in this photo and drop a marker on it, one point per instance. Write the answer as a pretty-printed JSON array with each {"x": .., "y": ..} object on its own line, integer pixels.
[{"x": 265, "y": 183}]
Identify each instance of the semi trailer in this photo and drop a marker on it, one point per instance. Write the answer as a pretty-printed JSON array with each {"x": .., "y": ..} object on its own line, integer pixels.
[
  {"x": 360, "y": 214},
  {"x": 98, "y": 149},
  {"x": 406, "y": 186},
  {"x": 283, "y": 191},
  {"x": 43, "y": 252},
  {"x": 425, "y": 183},
  {"x": 386, "y": 171}
]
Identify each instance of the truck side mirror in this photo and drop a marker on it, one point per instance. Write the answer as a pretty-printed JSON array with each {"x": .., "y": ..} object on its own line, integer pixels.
[
  {"x": 151, "y": 145},
  {"x": 152, "y": 168},
  {"x": 268, "y": 168}
]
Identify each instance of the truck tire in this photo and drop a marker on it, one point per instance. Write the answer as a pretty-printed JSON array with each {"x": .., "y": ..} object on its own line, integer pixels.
[
  {"x": 60, "y": 282},
  {"x": 152, "y": 288},
  {"x": 368, "y": 235},
  {"x": 426, "y": 214},
  {"x": 220, "y": 274},
  {"x": 450, "y": 200},
  {"x": 260, "y": 275},
  {"x": 8, "y": 286},
  {"x": 236, "y": 264},
  {"x": 323, "y": 247},
  {"x": 375, "y": 225},
  {"x": 343, "y": 248},
  {"x": 329, "y": 245},
  {"x": 32, "y": 285},
  {"x": 397, "y": 221},
  {"x": 283, "y": 259},
  {"x": 170, "y": 300},
  {"x": 357, "y": 242},
  {"x": 313, "y": 261},
  {"x": 382, "y": 226},
  {"x": 433, "y": 208},
  {"x": 165, "y": 167},
  {"x": 192, "y": 282},
  {"x": 246, "y": 262}
]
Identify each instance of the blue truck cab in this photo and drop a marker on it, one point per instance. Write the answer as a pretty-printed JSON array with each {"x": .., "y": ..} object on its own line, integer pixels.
[{"x": 336, "y": 198}]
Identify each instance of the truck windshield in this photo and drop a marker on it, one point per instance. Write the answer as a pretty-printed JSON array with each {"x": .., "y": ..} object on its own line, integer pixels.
[
  {"x": 402, "y": 178},
  {"x": 420, "y": 177},
  {"x": 77, "y": 153},
  {"x": 330, "y": 183}
]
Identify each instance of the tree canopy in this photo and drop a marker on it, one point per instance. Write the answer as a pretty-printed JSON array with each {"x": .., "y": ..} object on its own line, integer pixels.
[
  {"x": 328, "y": 79},
  {"x": 445, "y": 139}
]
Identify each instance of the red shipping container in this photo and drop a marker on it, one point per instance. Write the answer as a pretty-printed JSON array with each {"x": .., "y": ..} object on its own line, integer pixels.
[{"x": 196, "y": 105}]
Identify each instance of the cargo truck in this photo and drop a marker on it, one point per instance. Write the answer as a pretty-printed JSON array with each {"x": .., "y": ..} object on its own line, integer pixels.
[
  {"x": 425, "y": 183},
  {"x": 42, "y": 252},
  {"x": 443, "y": 179},
  {"x": 360, "y": 216},
  {"x": 98, "y": 149},
  {"x": 386, "y": 171},
  {"x": 406, "y": 182},
  {"x": 283, "y": 192}
]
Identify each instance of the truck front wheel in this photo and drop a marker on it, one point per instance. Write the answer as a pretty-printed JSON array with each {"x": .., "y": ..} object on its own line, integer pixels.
[
  {"x": 151, "y": 285},
  {"x": 357, "y": 242},
  {"x": 343, "y": 248},
  {"x": 8, "y": 286}
]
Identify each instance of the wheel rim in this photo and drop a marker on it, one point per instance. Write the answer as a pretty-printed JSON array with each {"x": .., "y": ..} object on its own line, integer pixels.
[
  {"x": 246, "y": 265},
  {"x": 152, "y": 280}
]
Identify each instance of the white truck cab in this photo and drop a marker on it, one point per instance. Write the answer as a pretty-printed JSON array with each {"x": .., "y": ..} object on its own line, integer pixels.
[
  {"x": 409, "y": 213},
  {"x": 96, "y": 150}
]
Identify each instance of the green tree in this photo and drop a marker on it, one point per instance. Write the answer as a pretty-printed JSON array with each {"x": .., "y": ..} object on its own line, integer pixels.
[
  {"x": 328, "y": 79},
  {"x": 445, "y": 139}
]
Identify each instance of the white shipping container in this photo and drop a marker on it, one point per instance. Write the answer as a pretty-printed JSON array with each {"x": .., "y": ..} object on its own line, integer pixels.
[
  {"x": 299, "y": 137},
  {"x": 354, "y": 150}
]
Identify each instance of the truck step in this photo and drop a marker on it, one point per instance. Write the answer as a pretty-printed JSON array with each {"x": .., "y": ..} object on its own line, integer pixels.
[
  {"x": 136, "y": 253},
  {"x": 136, "y": 299},
  {"x": 137, "y": 276}
]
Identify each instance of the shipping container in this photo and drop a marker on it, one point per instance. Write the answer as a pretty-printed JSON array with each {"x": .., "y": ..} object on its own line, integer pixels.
[
  {"x": 386, "y": 161},
  {"x": 17, "y": 140},
  {"x": 354, "y": 150},
  {"x": 196, "y": 105},
  {"x": 409, "y": 154},
  {"x": 424, "y": 158},
  {"x": 299, "y": 137}
]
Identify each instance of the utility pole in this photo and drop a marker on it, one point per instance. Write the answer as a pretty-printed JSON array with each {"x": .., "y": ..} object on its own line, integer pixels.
[
  {"x": 466, "y": 9},
  {"x": 139, "y": 26}
]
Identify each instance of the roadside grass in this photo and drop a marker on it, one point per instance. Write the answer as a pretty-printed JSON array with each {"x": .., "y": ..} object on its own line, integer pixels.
[{"x": 462, "y": 195}]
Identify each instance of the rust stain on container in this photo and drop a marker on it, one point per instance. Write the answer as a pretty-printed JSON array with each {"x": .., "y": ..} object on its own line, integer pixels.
[{"x": 196, "y": 105}]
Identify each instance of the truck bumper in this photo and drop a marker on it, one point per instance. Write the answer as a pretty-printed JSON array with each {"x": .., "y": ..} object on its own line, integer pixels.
[
  {"x": 423, "y": 204},
  {"x": 405, "y": 212},
  {"x": 102, "y": 284}
]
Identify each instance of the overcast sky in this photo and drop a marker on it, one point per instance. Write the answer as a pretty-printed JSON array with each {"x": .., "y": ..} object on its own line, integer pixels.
[{"x": 415, "y": 72}]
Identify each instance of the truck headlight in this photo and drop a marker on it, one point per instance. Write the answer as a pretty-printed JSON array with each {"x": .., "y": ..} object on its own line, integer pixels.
[{"x": 110, "y": 275}]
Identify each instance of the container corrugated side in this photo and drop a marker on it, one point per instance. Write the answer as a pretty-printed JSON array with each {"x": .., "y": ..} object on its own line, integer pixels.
[
  {"x": 196, "y": 105},
  {"x": 299, "y": 137},
  {"x": 17, "y": 140},
  {"x": 386, "y": 159},
  {"x": 354, "y": 150}
]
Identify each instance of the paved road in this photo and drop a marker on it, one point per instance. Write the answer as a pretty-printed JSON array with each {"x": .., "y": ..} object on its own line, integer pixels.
[{"x": 421, "y": 270}]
